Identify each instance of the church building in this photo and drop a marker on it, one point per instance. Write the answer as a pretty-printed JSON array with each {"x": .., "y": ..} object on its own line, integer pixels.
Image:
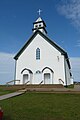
[{"x": 41, "y": 60}]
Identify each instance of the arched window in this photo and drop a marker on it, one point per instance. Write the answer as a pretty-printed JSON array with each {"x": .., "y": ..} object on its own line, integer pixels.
[
  {"x": 37, "y": 54},
  {"x": 38, "y": 71}
]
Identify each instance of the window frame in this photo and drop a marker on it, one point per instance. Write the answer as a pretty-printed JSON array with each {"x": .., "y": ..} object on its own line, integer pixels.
[{"x": 38, "y": 54}]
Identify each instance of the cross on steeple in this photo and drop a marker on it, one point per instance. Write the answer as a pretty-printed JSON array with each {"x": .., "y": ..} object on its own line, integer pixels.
[{"x": 39, "y": 11}]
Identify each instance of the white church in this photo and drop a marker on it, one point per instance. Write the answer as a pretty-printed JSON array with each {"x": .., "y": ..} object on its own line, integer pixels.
[{"x": 41, "y": 60}]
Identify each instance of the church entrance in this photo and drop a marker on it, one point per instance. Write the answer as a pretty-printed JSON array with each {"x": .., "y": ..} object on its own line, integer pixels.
[
  {"x": 26, "y": 75},
  {"x": 47, "y": 75},
  {"x": 25, "y": 78},
  {"x": 47, "y": 78}
]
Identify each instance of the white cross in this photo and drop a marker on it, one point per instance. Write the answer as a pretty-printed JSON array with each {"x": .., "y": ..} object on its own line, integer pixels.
[{"x": 39, "y": 11}]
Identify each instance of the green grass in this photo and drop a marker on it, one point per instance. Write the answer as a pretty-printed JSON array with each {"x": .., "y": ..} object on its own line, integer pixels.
[
  {"x": 4, "y": 91},
  {"x": 70, "y": 86},
  {"x": 42, "y": 106}
]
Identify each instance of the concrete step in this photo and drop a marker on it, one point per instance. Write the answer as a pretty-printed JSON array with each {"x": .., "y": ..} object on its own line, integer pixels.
[
  {"x": 19, "y": 87},
  {"x": 45, "y": 86}
]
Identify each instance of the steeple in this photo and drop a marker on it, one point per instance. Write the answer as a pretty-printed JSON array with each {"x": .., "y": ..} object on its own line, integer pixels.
[{"x": 39, "y": 24}]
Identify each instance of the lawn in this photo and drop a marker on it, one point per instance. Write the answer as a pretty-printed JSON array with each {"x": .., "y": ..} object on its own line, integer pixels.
[
  {"x": 4, "y": 91},
  {"x": 42, "y": 106}
]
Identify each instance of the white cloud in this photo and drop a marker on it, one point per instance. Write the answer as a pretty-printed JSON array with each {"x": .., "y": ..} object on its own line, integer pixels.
[
  {"x": 6, "y": 67},
  {"x": 75, "y": 63},
  {"x": 71, "y": 10},
  {"x": 78, "y": 43}
]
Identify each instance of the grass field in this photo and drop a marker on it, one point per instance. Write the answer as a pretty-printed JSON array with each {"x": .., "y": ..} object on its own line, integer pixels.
[
  {"x": 42, "y": 106},
  {"x": 4, "y": 90}
]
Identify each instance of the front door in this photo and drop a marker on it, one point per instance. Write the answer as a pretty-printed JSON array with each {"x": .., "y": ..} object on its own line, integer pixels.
[
  {"x": 25, "y": 78},
  {"x": 47, "y": 78}
]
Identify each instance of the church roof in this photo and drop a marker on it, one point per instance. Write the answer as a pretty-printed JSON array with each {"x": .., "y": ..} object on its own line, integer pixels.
[
  {"x": 63, "y": 52},
  {"x": 39, "y": 19}
]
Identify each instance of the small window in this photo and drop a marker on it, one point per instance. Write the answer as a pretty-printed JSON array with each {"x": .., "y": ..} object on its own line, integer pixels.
[
  {"x": 39, "y": 25},
  {"x": 36, "y": 26},
  {"x": 37, "y": 54},
  {"x": 58, "y": 58},
  {"x": 38, "y": 71}
]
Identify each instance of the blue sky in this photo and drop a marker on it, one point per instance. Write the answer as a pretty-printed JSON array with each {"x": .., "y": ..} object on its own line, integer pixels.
[{"x": 62, "y": 18}]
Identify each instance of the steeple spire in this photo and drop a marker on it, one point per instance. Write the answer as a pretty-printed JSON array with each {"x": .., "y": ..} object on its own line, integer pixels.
[{"x": 39, "y": 24}]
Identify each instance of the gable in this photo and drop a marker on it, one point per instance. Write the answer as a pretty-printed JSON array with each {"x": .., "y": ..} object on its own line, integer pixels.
[{"x": 48, "y": 40}]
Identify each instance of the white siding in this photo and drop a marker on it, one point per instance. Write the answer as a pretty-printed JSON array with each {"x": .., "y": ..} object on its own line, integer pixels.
[{"x": 49, "y": 57}]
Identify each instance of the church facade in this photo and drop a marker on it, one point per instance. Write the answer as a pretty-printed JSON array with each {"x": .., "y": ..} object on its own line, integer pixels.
[{"x": 41, "y": 60}]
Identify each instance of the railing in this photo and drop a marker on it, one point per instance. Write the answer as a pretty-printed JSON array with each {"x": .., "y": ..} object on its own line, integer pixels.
[
  {"x": 26, "y": 82},
  {"x": 12, "y": 81},
  {"x": 61, "y": 81},
  {"x": 41, "y": 82}
]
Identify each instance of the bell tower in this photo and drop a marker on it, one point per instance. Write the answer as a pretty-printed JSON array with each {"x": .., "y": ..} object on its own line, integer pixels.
[{"x": 39, "y": 24}]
